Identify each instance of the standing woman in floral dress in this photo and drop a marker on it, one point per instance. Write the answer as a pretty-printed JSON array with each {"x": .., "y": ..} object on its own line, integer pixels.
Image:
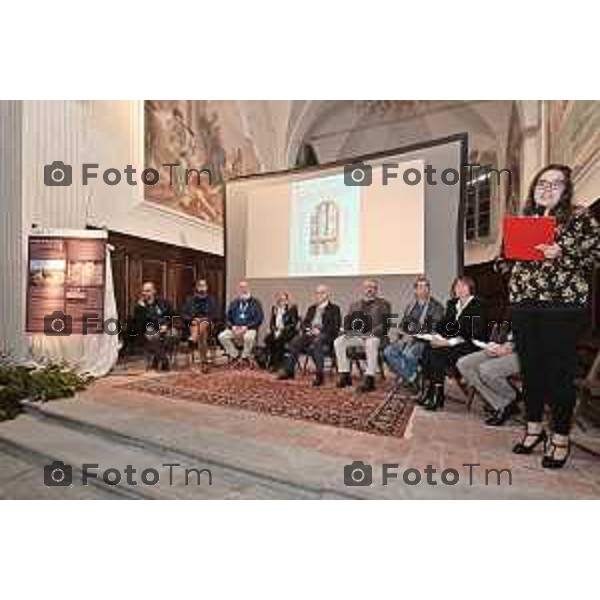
[{"x": 548, "y": 300}]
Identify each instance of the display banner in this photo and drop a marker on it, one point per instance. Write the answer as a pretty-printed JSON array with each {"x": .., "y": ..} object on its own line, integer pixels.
[{"x": 66, "y": 280}]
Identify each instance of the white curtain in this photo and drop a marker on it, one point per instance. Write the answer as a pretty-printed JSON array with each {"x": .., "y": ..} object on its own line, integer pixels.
[{"x": 95, "y": 354}]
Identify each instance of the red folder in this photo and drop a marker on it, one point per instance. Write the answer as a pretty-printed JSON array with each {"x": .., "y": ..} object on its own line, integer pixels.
[{"x": 523, "y": 234}]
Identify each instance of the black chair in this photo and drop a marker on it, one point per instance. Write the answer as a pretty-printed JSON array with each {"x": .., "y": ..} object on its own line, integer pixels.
[
  {"x": 305, "y": 359},
  {"x": 358, "y": 356},
  {"x": 188, "y": 348},
  {"x": 216, "y": 331},
  {"x": 454, "y": 375}
]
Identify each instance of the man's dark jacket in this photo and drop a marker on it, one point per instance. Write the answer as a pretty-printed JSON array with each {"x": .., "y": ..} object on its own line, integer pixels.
[{"x": 332, "y": 320}]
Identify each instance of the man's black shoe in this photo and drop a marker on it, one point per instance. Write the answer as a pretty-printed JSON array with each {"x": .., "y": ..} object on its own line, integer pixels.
[
  {"x": 437, "y": 399},
  {"x": 367, "y": 385},
  {"x": 425, "y": 398},
  {"x": 344, "y": 380},
  {"x": 318, "y": 380},
  {"x": 488, "y": 409},
  {"x": 233, "y": 362},
  {"x": 285, "y": 375},
  {"x": 499, "y": 417}
]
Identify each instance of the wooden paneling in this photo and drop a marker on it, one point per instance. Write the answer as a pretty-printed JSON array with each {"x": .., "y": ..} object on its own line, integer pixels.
[
  {"x": 595, "y": 301},
  {"x": 180, "y": 280},
  {"x": 155, "y": 270},
  {"x": 172, "y": 269},
  {"x": 491, "y": 287}
]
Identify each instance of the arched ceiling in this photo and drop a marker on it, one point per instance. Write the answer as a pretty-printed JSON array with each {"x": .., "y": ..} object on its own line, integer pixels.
[{"x": 340, "y": 129}]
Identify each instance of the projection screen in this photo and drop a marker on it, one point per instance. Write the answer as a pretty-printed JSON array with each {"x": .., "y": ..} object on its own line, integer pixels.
[{"x": 297, "y": 229}]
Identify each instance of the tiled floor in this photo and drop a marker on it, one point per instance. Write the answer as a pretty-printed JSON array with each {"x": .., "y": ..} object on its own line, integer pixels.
[{"x": 258, "y": 456}]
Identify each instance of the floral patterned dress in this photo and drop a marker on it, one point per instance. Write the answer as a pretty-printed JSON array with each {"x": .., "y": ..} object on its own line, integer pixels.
[{"x": 564, "y": 280}]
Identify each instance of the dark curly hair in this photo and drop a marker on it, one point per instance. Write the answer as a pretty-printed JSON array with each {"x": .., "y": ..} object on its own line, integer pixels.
[{"x": 563, "y": 208}]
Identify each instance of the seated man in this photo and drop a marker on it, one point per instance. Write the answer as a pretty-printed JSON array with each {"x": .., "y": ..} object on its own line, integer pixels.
[
  {"x": 200, "y": 311},
  {"x": 420, "y": 316},
  {"x": 488, "y": 371},
  {"x": 319, "y": 328},
  {"x": 153, "y": 321},
  {"x": 282, "y": 329},
  {"x": 243, "y": 319},
  {"x": 364, "y": 327},
  {"x": 462, "y": 322}
]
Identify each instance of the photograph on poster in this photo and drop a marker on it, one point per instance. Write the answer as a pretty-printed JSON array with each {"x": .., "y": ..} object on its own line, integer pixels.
[{"x": 47, "y": 272}]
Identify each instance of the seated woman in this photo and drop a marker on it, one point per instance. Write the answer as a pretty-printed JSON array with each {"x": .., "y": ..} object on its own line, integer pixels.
[
  {"x": 462, "y": 322},
  {"x": 283, "y": 326}
]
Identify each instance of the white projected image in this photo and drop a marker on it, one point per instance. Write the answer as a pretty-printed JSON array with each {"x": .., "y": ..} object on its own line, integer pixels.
[
  {"x": 325, "y": 227},
  {"x": 316, "y": 225}
]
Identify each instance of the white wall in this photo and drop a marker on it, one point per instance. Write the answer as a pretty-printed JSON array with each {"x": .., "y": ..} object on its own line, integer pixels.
[
  {"x": 12, "y": 257},
  {"x": 109, "y": 133},
  {"x": 35, "y": 133}
]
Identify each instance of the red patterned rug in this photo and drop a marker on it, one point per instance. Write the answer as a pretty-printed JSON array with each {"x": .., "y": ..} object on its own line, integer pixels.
[{"x": 259, "y": 391}]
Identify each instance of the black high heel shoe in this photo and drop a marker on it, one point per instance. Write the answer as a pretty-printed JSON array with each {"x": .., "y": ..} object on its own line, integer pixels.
[
  {"x": 437, "y": 398},
  {"x": 425, "y": 395},
  {"x": 549, "y": 462},
  {"x": 522, "y": 448}
]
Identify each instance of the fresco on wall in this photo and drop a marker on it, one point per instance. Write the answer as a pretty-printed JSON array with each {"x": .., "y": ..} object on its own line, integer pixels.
[
  {"x": 195, "y": 134},
  {"x": 574, "y": 134}
]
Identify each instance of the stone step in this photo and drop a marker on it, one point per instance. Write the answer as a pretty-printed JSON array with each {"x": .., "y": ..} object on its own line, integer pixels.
[
  {"x": 153, "y": 424},
  {"x": 22, "y": 468},
  {"x": 48, "y": 436}
]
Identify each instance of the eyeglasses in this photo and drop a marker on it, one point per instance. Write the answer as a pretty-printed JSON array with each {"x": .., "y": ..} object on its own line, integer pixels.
[{"x": 550, "y": 185}]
